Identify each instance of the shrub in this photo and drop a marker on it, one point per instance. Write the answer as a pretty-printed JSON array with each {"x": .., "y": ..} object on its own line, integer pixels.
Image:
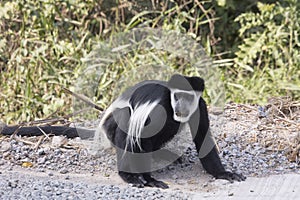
[{"x": 267, "y": 62}]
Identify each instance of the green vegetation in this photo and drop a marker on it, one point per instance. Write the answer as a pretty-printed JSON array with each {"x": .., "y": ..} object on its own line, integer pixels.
[
  {"x": 267, "y": 62},
  {"x": 42, "y": 43}
]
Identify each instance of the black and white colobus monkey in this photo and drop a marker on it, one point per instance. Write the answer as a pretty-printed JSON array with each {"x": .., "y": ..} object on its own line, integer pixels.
[
  {"x": 142, "y": 120},
  {"x": 148, "y": 115}
]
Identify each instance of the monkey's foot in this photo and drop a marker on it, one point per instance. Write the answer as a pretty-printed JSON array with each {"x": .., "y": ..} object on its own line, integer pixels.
[
  {"x": 137, "y": 180},
  {"x": 231, "y": 176},
  {"x": 151, "y": 182},
  {"x": 142, "y": 180}
]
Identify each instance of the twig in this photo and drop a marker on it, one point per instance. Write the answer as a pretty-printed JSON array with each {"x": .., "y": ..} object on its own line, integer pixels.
[
  {"x": 248, "y": 107},
  {"x": 15, "y": 133},
  {"x": 84, "y": 99},
  {"x": 39, "y": 142},
  {"x": 24, "y": 141},
  {"x": 289, "y": 121},
  {"x": 43, "y": 132},
  {"x": 211, "y": 24}
]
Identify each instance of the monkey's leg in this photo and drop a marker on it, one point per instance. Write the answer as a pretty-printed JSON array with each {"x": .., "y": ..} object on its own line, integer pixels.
[
  {"x": 127, "y": 161},
  {"x": 150, "y": 181},
  {"x": 116, "y": 127},
  {"x": 134, "y": 164},
  {"x": 206, "y": 147}
]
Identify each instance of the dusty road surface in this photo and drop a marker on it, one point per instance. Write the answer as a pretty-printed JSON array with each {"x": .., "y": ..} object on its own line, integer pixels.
[
  {"x": 286, "y": 186},
  {"x": 21, "y": 183}
]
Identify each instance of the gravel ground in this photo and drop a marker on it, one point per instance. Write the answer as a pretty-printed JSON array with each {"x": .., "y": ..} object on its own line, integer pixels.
[
  {"x": 16, "y": 185},
  {"x": 60, "y": 168}
]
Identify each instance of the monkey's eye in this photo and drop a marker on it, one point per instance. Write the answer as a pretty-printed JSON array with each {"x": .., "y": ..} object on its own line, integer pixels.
[
  {"x": 180, "y": 96},
  {"x": 175, "y": 97}
]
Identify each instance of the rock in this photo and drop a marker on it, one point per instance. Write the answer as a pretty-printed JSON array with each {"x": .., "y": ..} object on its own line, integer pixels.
[
  {"x": 13, "y": 183},
  {"x": 175, "y": 176},
  {"x": 6, "y": 154},
  {"x": 41, "y": 152},
  {"x": 50, "y": 174},
  {"x": 5, "y": 146},
  {"x": 41, "y": 160},
  {"x": 58, "y": 141},
  {"x": 63, "y": 171}
]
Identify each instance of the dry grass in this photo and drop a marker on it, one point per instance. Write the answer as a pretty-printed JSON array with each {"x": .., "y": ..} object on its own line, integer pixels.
[{"x": 275, "y": 125}]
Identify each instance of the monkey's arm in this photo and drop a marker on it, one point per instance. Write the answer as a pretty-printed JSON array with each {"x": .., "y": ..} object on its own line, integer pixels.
[
  {"x": 206, "y": 147},
  {"x": 69, "y": 132}
]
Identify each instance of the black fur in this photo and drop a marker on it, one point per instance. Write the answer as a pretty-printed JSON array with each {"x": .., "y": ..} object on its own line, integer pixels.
[{"x": 186, "y": 83}]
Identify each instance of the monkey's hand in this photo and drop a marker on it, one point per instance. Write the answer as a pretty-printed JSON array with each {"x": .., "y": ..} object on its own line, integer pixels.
[{"x": 230, "y": 176}]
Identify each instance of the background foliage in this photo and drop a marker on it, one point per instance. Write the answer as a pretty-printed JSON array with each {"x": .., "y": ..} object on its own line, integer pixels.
[
  {"x": 254, "y": 43},
  {"x": 267, "y": 62}
]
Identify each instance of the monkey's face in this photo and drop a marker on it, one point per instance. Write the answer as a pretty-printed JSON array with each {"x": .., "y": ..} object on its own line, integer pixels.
[{"x": 184, "y": 104}]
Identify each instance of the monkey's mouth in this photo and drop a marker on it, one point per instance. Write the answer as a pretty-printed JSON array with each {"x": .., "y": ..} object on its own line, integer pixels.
[{"x": 181, "y": 117}]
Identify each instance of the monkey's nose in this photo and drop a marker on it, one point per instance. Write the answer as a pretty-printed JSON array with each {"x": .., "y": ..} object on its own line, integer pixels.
[{"x": 181, "y": 114}]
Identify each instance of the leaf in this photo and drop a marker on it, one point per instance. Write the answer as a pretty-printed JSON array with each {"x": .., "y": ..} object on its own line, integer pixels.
[
  {"x": 236, "y": 85},
  {"x": 27, "y": 164},
  {"x": 245, "y": 66}
]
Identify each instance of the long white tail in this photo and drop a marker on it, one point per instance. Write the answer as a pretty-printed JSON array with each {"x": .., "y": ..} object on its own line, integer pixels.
[{"x": 137, "y": 122}]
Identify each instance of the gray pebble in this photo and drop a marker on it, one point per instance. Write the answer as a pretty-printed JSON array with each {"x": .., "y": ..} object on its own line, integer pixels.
[
  {"x": 5, "y": 147},
  {"x": 50, "y": 174},
  {"x": 48, "y": 188},
  {"x": 2, "y": 162},
  {"x": 41, "y": 152},
  {"x": 171, "y": 167},
  {"x": 13, "y": 184},
  {"x": 63, "y": 171},
  {"x": 292, "y": 166},
  {"x": 6, "y": 154},
  {"x": 41, "y": 160}
]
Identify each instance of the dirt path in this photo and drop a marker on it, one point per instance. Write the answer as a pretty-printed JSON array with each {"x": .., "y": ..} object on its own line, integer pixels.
[{"x": 285, "y": 186}]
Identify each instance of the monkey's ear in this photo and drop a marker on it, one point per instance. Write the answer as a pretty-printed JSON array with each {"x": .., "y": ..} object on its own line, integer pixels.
[
  {"x": 186, "y": 83},
  {"x": 197, "y": 83}
]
